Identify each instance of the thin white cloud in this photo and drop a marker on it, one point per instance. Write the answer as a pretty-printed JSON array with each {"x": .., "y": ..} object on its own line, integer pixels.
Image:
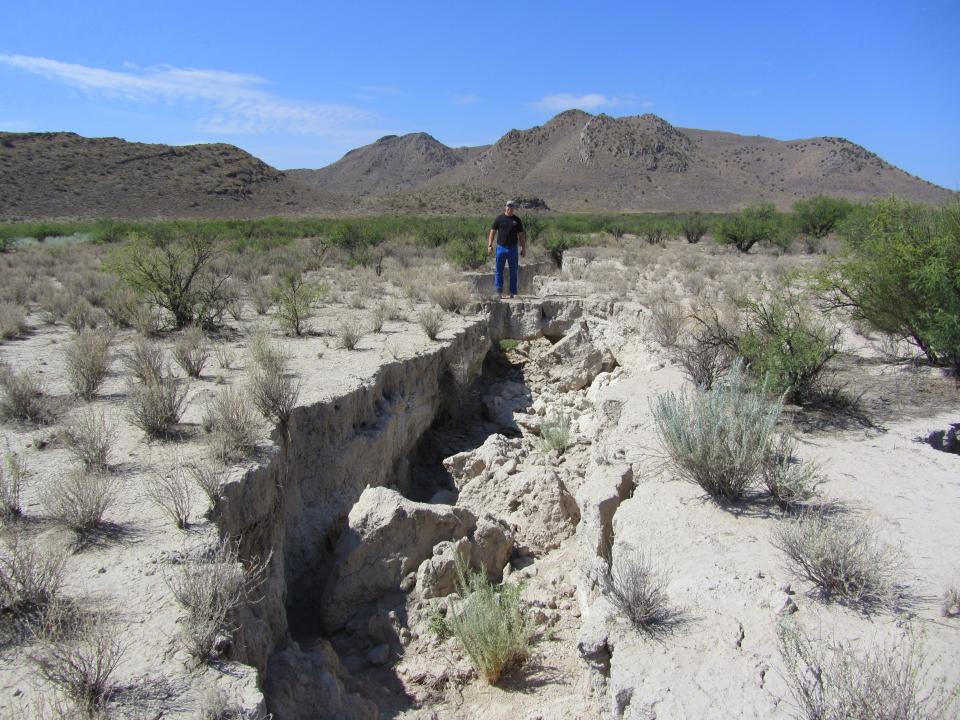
[
  {"x": 237, "y": 102},
  {"x": 465, "y": 99},
  {"x": 588, "y": 101}
]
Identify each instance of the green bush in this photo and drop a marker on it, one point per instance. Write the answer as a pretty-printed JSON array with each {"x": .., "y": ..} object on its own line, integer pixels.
[
  {"x": 900, "y": 272},
  {"x": 467, "y": 254},
  {"x": 783, "y": 345},
  {"x": 694, "y": 227},
  {"x": 296, "y": 299},
  {"x": 819, "y": 216},
  {"x": 758, "y": 224},
  {"x": 492, "y": 625},
  {"x": 558, "y": 242},
  {"x": 718, "y": 438}
]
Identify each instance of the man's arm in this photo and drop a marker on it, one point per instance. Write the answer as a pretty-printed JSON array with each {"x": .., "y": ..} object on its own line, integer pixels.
[
  {"x": 490, "y": 241},
  {"x": 523, "y": 243}
]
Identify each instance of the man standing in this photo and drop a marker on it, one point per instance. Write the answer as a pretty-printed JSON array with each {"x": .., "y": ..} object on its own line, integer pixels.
[{"x": 508, "y": 229}]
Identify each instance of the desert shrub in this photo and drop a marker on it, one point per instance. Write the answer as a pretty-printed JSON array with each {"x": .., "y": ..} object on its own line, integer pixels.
[
  {"x": 655, "y": 234},
  {"x": 349, "y": 333},
  {"x": 88, "y": 362},
  {"x": 79, "y": 500},
  {"x": 174, "y": 274},
  {"x": 758, "y": 224},
  {"x": 555, "y": 433},
  {"x": 12, "y": 320},
  {"x": 211, "y": 588},
  {"x": 209, "y": 478},
  {"x": 666, "y": 323},
  {"x": 22, "y": 397},
  {"x": 492, "y": 624},
  {"x": 950, "y": 607},
  {"x": 171, "y": 490},
  {"x": 80, "y": 658},
  {"x": 694, "y": 227},
  {"x": 557, "y": 243},
  {"x": 784, "y": 344},
  {"x": 789, "y": 481},
  {"x": 296, "y": 299},
  {"x": 843, "y": 555},
  {"x": 466, "y": 253},
  {"x": 836, "y": 680},
  {"x": 217, "y": 705},
  {"x": 55, "y": 305},
  {"x": 508, "y": 344},
  {"x": 82, "y": 315},
  {"x": 156, "y": 407},
  {"x": 121, "y": 305},
  {"x": 90, "y": 437},
  {"x": 718, "y": 438},
  {"x": 224, "y": 355},
  {"x": 635, "y": 588},
  {"x": 233, "y": 426},
  {"x": 431, "y": 321},
  {"x": 30, "y": 579},
  {"x": 819, "y": 216},
  {"x": 897, "y": 272},
  {"x": 272, "y": 388},
  {"x": 377, "y": 318},
  {"x": 144, "y": 360},
  {"x": 450, "y": 296},
  {"x": 702, "y": 362},
  {"x": 13, "y": 477},
  {"x": 191, "y": 351},
  {"x": 261, "y": 295}
]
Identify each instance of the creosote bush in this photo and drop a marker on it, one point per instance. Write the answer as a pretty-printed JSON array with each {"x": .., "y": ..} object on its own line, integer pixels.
[
  {"x": 694, "y": 227},
  {"x": 79, "y": 500},
  {"x": 431, "y": 321},
  {"x": 211, "y": 588},
  {"x": 718, "y": 438},
  {"x": 831, "y": 679},
  {"x": 758, "y": 224},
  {"x": 349, "y": 333},
  {"x": 492, "y": 624},
  {"x": 842, "y": 555},
  {"x": 233, "y": 426},
  {"x": 635, "y": 588},
  {"x": 191, "y": 351},
  {"x": 819, "y": 216},
  {"x": 88, "y": 361},
  {"x": 156, "y": 407},
  {"x": 90, "y": 437},
  {"x": 22, "y": 397}
]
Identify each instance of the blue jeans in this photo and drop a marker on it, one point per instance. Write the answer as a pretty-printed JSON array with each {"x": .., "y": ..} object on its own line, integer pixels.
[{"x": 507, "y": 255}]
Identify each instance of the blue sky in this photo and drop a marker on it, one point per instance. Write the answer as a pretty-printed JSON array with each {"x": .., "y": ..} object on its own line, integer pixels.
[{"x": 299, "y": 84}]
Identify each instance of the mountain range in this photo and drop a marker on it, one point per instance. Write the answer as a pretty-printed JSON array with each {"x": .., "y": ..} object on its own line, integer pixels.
[{"x": 576, "y": 162}]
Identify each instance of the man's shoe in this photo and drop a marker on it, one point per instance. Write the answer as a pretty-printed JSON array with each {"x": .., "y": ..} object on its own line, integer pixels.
[{"x": 513, "y": 295}]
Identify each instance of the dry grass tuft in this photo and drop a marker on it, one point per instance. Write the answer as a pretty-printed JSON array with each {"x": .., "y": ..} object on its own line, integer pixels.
[
  {"x": 88, "y": 362},
  {"x": 842, "y": 555},
  {"x": 156, "y": 407},
  {"x": 233, "y": 426},
  {"x": 636, "y": 589},
  {"x": 431, "y": 321},
  {"x": 665, "y": 324},
  {"x": 90, "y": 437},
  {"x": 30, "y": 579},
  {"x": 171, "y": 490},
  {"x": 209, "y": 478},
  {"x": 144, "y": 361},
  {"x": 349, "y": 334},
  {"x": 836, "y": 679},
  {"x": 79, "y": 499},
  {"x": 272, "y": 388},
  {"x": 22, "y": 397},
  {"x": 211, "y": 589},
  {"x": 12, "y": 320},
  {"x": 13, "y": 478},
  {"x": 451, "y": 297},
  {"x": 191, "y": 351}
]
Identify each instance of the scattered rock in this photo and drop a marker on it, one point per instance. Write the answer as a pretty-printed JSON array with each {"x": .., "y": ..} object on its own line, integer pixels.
[{"x": 378, "y": 655}]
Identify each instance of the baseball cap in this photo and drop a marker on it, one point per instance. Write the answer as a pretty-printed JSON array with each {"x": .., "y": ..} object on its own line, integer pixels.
[{"x": 510, "y": 203}]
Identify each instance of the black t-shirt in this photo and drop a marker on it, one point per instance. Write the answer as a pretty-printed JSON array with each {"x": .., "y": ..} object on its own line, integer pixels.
[{"x": 507, "y": 227}]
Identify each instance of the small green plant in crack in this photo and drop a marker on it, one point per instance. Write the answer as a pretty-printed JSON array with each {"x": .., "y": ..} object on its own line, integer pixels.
[{"x": 555, "y": 434}]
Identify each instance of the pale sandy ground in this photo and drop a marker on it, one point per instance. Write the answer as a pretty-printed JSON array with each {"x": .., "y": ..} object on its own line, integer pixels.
[{"x": 724, "y": 575}]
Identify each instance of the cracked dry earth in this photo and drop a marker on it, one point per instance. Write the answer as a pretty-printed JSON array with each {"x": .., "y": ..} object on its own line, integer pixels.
[{"x": 390, "y": 467}]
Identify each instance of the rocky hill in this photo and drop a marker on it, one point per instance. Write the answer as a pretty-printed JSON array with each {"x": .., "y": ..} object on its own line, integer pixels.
[
  {"x": 574, "y": 162},
  {"x": 63, "y": 175},
  {"x": 582, "y": 162}
]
